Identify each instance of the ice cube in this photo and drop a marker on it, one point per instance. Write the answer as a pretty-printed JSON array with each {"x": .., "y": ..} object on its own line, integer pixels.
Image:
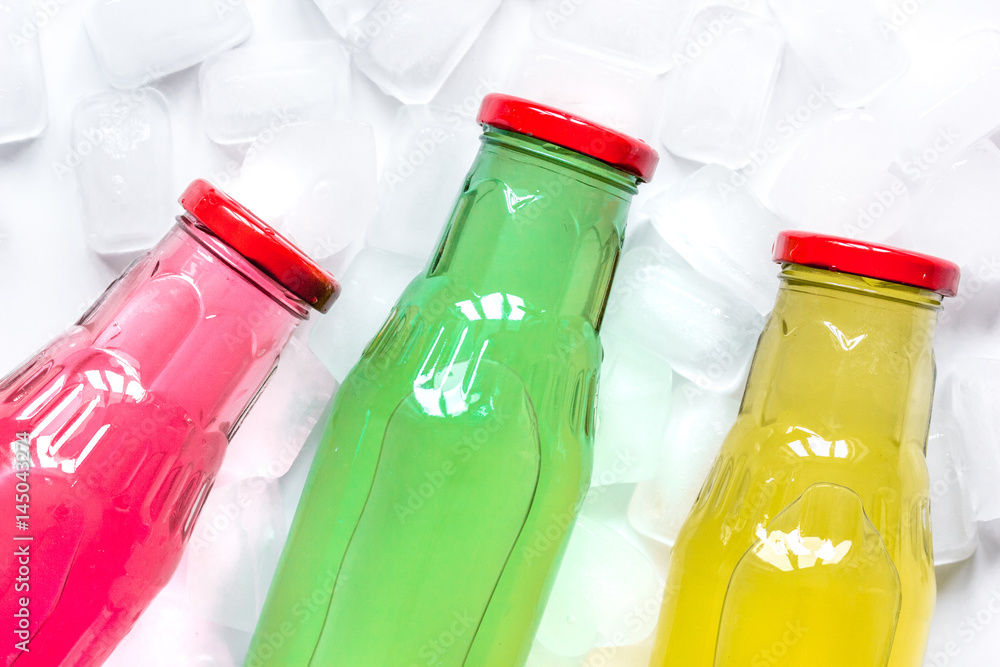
[
  {"x": 342, "y": 13},
  {"x": 543, "y": 657},
  {"x": 122, "y": 154},
  {"x": 976, "y": 400},
  {"x": 168, "y": 634},
  {"x": 717, "y": 94},
  {"x": 641, "y": 33},
  {"x": 699, "y": 422},
  {"x": 23, "y": 106},
  {"x": 487, "y": 65},
  {"x": 661, "y": 304},
  {"x": 603, "y": 579},
  {"x": 248, "y": 90},
  {"x": 430, "y": 153},
  {"x": 315, "y": 182},
  {"x": 720, "y": 227},
  {"x": 948, "y": 101},
  {"x": 840, "y": 180},
  {"x": 234, "y": 551},
  {"x": 409, "y": 48},
  {"x": 372, "y": 285},
  {"x": 138, "y": 41},
  {"x": 632, "y": 410},
  {"x": 622, "y": 98},
  {"x": 271, "y": 436},
  {"x": 846, "y": 45},
  {"x": 955, "y": 215},
  {"x": 952, "y": 519}
]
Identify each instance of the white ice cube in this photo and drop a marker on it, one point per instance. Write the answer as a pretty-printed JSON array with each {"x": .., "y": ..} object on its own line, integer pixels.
[
  {"x": 955, "y": 215},
  {"x": 632, "y": 410},
  {"x": 409, "y": 48},
  {"x": 169, "y": 634},
  {"x": 976, "y": 400},
  {"x": 271, "y": 435},
  {"x": 948, "y": 101},
  {"x": 717, "y": 94},
  {"x": 720, "y": 227},
  {"x": 234, "y": 551},
  {"x": 372, "y": 285},
  {"x": 845, "y": 44},
  {"x": 138, "y": 41},
  {"x": 952, "y": 519},
  {"x": 642, "y": 33},
  {"x": 248, "y": 90},
  {"x": 342, "y": 13},
  {"x": 122, "y": 154},
  {"x": 840, "y": 180},
  {"x": 315, "y": 182},
  {"x": 543, "y": 657},
  {"x": 699, "y": 422},
  {"x": 430, "y": 153},
  {"x": 486, "y": 66},
  {"x": 603, "y": 579},
  {"x": 23, "y": 106},
  {"x": 623, "y": 98},
  {"x": 658, "y": 302}
]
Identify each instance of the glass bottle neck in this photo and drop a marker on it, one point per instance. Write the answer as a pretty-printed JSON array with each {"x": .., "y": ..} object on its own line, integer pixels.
[
  {"x": 849, "y": 355},
  {"x": 538, "y": 224},
  {"x": 199, "y": 324}
]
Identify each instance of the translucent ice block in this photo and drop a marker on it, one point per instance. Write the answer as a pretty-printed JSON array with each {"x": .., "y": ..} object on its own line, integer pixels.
[
  {"x": 315, "y": 182},
  {"x": 273, "y": 432},
  {"x": 602, "y": 580},
  {"x": 840, "y": 180},
  {"x": 846, "y": 46},
  {"x": 699, "y": 422},
  {"x": 122, "y": 155},
  {"x": 633, "y": 406},
  {"x": 976, "y": 400},
  {"x": 234, "y": 551},
  {"x": 372, "y": 285},
  {"x": 430, "y": 153},
  {"x": 720, "y": 227},
  {"x": 138, "y": 41},
  {"x": 952, "y": 520},
  {"x": 248, "y": 90},
  {"x": 706, "y": 333},
  {"x": 643, "y": 33},
  {"x": 342, "y": 13},
  {"x": 409, "y": 48},
  {"x": 717, "y": 94},
  {"x": 948, "y": 100},
  {"x": 23, "y": 107}
]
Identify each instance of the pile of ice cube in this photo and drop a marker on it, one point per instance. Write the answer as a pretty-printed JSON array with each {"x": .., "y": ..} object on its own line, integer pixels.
[{"x": 867, "y": 118}]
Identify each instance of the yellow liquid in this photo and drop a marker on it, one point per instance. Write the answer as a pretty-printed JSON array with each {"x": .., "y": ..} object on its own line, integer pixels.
[{"x": 810, "y": 542}]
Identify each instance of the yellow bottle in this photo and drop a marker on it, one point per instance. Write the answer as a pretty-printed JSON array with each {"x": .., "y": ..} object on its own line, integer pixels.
[{"x": 810, "y": 541}]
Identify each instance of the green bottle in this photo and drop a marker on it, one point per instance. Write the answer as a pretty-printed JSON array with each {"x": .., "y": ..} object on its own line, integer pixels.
[{"x": 460, "y": 446}]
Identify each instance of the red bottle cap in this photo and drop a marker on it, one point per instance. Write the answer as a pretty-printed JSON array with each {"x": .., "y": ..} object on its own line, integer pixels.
[
  {"x": 263, "y": 247},
  {"x": 868, "y": 259},
  {"x": 564, "y": 129}
]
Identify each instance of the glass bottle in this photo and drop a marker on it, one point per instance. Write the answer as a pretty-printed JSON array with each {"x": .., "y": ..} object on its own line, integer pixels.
[
  {"x": 460, "y": 446},
  {"x": 116, "y": 429},
  {"x": 810, "y": 542}
]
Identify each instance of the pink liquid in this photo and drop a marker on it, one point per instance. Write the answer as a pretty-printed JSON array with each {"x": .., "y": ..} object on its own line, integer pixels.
[{"x": 128, "y": 416}]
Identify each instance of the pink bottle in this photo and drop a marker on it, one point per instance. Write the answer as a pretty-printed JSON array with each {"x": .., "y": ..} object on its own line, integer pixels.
[{"x": 113, "y": 434}]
